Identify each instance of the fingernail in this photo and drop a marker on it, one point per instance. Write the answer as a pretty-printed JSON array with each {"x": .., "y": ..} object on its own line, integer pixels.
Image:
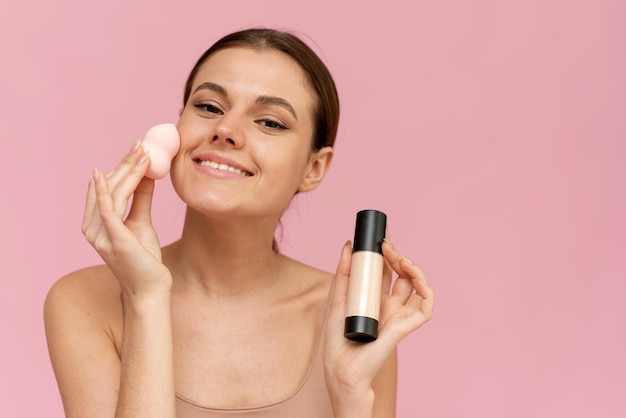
[
  {"x": 143, "y": 158},
  {"x": 95, "y": 175},
  {"x": 389, "y": 243},
  {"x": 421, "y": 275},
  {"x": 135, "y": 147}
]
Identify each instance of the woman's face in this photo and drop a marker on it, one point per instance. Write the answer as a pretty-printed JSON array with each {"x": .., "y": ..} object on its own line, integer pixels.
[{"x": 246, "y": 135}]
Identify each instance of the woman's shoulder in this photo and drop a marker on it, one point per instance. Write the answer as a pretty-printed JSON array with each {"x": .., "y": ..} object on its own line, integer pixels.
[
  {"x": 89, "y": 283},
  {"x": 84, "y": 322},
  {"x": 309, "y": 272},
  {"x": 90, "y": 295},
  {"x": 310, "y": 280}
]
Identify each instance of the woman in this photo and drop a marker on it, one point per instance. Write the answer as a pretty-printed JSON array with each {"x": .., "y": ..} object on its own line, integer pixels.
[{"x": 219, "y": 322}]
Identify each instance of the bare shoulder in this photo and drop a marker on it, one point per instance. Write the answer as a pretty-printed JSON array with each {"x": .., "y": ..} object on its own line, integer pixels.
[
  {"x": 83, "y": 320},
  {"x": 92, "y": 291},
  {"x": 310, "y": 280}
]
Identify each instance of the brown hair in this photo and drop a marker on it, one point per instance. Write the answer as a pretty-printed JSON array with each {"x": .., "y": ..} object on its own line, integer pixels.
[{"x": 326, "y": 111}]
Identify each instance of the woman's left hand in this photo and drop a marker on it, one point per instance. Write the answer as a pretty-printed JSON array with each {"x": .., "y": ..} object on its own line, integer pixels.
[{"x": 350, "y": 367}]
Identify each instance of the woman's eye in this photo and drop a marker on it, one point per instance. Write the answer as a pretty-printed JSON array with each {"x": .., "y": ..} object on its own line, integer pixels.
[
  {"x": 208, "y": 107},
  {"x": 272, "y": 124}
]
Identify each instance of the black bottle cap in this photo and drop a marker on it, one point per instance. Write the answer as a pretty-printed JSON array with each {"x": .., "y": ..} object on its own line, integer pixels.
[
  {"x": 361, "y": 328},
  {"x": 369, "y": 232}
]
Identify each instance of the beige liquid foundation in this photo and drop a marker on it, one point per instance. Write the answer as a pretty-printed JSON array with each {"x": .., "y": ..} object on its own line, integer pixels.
[{"x": 366, "y": 274}]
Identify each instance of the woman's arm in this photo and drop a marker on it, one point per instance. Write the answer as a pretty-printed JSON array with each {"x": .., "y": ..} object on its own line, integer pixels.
[
  {"x": 138, "y": 381},
  {"x": 385, "y": 386},
  {"x": 92, "y": 379},
  {"x": 78, "y": 315},
  {"x": 147, "y": 375}
]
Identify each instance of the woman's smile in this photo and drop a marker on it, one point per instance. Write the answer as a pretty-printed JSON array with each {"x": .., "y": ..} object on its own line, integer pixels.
[{"x": 221, "y": 165}]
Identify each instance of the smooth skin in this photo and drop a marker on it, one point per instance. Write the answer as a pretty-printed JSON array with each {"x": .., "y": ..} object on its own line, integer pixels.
[{"x": 125, "y": 337}]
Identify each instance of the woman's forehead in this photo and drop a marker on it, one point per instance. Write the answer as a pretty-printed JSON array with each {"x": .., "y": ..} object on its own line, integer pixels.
[
  {"x": 254, "y": 68},
  {"x": 251, "y": 73}
]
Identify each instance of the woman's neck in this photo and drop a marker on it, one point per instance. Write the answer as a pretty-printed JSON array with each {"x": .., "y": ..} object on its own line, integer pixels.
[{"x": 224, "y": 258}]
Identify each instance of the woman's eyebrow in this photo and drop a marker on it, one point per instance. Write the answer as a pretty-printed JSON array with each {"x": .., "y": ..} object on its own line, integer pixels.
[
  {"x": 264, "y": 99},
  {"x": 278, "y": 101},
  {"x": 213, "y": 87}
]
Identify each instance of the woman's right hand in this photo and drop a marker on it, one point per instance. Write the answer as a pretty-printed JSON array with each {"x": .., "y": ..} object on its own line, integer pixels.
[{"x": 129, "y": 246}]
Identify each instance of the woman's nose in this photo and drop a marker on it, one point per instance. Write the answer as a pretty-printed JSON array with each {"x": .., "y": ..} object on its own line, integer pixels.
[
  {"x": 225, "y": 139},
  {"x": 227, "y": 132}
]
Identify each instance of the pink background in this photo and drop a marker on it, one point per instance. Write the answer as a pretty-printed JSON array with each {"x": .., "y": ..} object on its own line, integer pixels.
[{"x": 491, "y": 132}]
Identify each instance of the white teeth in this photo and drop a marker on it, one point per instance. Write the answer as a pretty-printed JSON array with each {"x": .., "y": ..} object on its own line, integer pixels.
[{"x": 224, "y": 167}]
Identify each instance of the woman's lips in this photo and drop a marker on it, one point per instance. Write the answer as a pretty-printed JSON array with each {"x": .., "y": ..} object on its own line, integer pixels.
[
  {"x": 220, "y": 162},
  {"x": 222, "y": 166}
]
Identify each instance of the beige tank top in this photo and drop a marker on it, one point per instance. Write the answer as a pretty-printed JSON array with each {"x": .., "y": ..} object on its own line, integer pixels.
[{"x": 310, "y": 400}]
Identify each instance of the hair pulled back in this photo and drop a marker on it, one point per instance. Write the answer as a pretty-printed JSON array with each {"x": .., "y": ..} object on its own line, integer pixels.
[{"x": 326, "y": 109}]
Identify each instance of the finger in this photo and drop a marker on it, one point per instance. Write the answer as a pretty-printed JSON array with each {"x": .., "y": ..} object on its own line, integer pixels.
[
  {"x": 424, "y": 295},
  {"x": 116, "y": 237},
  {"x": 95, "y": 231},
  {"x": 400, "y": 264},
  {"x": 420, "y": 303},
  {"x": 408, "y": 273},
  {"x": 402, "y": 289},
  {"x": 104, "y": 200},
  {"x": 418, "y": 308},
  {"x": 112, "y": 223},
  {"x": 126, "y": 186},
  {"x": 127, "y": 159},
  {"x": 340, "y": 289},
  {"x": 140, "y": 209},
  {"x": 392, "y": 256},
  {"x": 387, "y": 277},
  {"x": 125, "y": 166},
  {"x": 420, "y": 311},
  {"x": 90, "y": 205},
  {"x": 113, "y": 179}
]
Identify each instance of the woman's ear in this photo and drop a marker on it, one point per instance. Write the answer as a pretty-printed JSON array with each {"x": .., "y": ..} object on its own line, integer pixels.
[{"x": 319, "y": 163}]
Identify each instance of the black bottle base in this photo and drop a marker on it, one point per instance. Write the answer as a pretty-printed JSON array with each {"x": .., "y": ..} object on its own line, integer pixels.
[{"x": 361, "y": 328}]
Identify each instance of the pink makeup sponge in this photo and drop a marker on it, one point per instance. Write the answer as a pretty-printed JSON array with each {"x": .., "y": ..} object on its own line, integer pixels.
[{"x": 162, "y": 141}]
